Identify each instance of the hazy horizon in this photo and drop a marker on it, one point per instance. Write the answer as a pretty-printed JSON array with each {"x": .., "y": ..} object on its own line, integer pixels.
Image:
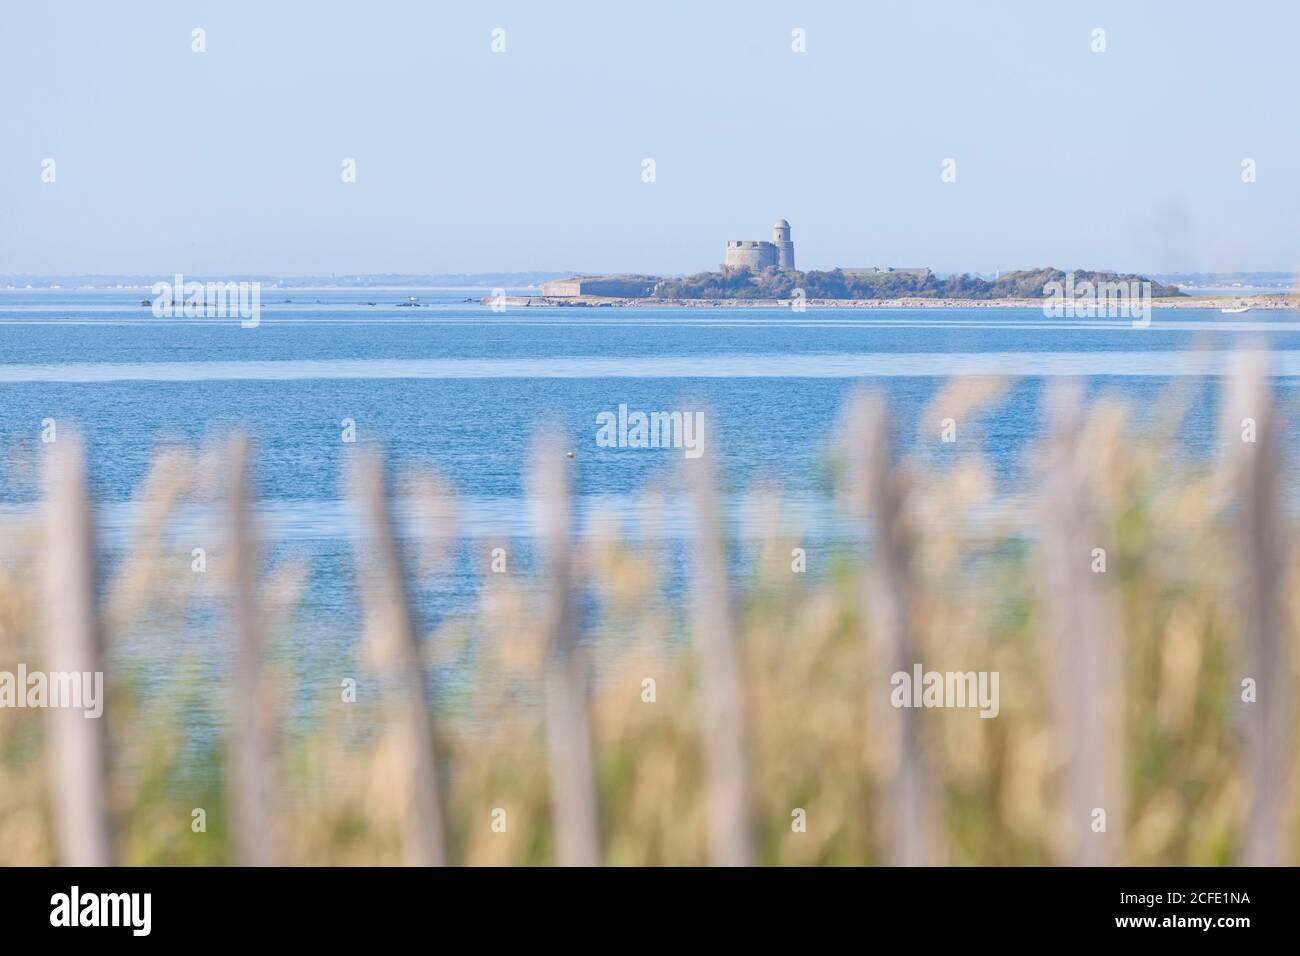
[
  {"x": 372, "y": 280},
  {"x": 530, "y": 160}
]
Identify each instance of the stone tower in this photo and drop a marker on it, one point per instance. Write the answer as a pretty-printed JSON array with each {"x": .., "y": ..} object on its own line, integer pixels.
[
  {"x": 784, "y": 247},
  {"x": 759, "y": 254}
]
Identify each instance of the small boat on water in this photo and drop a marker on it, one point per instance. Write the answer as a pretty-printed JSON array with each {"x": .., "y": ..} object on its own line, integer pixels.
[
  {"x": 411, "y": 303},
  {"x": 1235, "y": 310}
]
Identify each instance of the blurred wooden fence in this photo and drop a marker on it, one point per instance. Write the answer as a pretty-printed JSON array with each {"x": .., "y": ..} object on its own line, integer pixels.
[{"x": 1082, "y": 627}]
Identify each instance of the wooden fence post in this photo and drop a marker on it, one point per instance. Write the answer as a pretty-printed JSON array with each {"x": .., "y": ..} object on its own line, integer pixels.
[
  {"x": 392, "y": 635},
  {"x": 877, "y": 492},
  {"x": 78, "y": 745},
  {"x": 1262, "y": 542},
  {"x": 1085, "y": 638},
  {"x": 721, "y": 676},
  {"x": 568, "y": 719},
  {"x": 253, "y": 776}
]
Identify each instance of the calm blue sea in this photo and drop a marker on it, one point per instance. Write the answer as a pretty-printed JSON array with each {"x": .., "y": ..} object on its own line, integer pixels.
[{"x": 457, "y": 389}]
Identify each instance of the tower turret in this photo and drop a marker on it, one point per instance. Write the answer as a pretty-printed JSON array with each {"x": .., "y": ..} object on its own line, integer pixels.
[{"x": 784, "y": 246}]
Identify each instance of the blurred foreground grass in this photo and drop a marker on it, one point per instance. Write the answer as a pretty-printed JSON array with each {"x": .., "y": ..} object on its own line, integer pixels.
[{"x": 812, "y": 685}]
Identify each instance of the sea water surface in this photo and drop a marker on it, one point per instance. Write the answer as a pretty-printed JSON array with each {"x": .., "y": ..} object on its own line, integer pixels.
[{"x": 457, "y": 389}]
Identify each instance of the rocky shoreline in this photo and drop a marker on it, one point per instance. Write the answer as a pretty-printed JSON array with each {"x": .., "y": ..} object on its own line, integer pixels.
[{"x": 1273, "y": 301}]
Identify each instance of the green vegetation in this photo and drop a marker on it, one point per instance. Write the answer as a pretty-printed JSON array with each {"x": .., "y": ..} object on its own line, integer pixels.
[{"x": 838, "y": 284}]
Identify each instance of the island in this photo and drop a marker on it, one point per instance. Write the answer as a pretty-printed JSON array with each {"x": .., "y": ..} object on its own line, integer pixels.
[{"x": 762, "y": 273}]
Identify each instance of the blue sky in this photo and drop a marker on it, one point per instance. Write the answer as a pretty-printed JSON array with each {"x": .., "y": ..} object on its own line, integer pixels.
[{"x": 230, "y": 160}]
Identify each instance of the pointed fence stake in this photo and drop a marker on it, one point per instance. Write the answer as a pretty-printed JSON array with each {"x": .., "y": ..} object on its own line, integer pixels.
[
  {"x": 877, "y": 492},
  {"x": 73, "y": 645},
  {"x": 1085, "y": 639},
  {"x": 393, "y": 639},
  {"x": 1262, "y": 542},
  {"x": 721, "y": 677},
  {"x": 568, "y": 718},
  {"x": 253, "y": 775}
]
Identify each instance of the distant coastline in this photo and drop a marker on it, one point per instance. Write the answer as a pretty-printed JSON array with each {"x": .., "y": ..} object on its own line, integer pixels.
[{"x": 1263, "y": 301}]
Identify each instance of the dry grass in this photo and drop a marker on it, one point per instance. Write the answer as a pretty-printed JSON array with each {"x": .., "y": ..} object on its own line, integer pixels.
[{"x": 813, "y": 691}]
